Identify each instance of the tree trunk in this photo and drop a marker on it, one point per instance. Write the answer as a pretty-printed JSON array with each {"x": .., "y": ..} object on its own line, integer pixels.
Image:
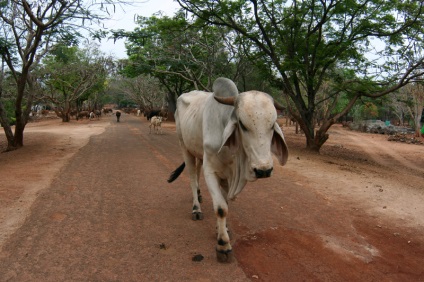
[
  {"x": 19, "y": 134},
  {"x": 418, "y": 122},
  {"x": 4, "y": 121},
  {"x": 67, "y": 112},
  {"x": 66, "y": 118},
  {"x": 10, "y": 140},
  {"x": 315, "y": 140},
  {"x": 21, "y": 119},
  {"x": 20, "y": 126}
]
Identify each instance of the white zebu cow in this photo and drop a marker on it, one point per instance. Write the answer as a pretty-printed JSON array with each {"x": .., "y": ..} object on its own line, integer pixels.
[
  {"x": 233, "y": 135},
  {"x": 156, "y": 122}
]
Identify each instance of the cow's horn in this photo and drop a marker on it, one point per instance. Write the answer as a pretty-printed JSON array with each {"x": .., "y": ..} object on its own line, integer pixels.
[
  {"x": 278, "y": 106},
  {"x": 225, "y": 100}
]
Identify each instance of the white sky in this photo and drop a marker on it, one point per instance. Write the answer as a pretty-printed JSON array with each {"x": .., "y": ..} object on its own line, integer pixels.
[{"x": 124, "y": 19}]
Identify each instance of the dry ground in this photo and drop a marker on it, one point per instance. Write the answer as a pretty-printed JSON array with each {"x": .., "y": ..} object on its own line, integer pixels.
[{"x": 354, "y": 211}]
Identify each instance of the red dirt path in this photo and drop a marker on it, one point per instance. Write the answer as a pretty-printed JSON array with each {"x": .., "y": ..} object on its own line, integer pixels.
[{"x": 352, "y": 213}]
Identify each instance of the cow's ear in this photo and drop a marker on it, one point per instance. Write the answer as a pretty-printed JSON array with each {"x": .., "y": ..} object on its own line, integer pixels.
[
  {"x": 229, "y": 137},
  {"x": 279, "y": 146}
]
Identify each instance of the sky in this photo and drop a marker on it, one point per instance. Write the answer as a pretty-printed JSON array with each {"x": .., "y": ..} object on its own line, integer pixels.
[{"x": 124, "y": 19}]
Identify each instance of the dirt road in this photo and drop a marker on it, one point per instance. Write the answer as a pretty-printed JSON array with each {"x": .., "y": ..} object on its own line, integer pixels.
[{"x": 108, "y": 213}]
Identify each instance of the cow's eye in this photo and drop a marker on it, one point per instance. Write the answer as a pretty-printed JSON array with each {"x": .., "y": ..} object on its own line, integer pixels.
[{"x": 242, "y": 126}]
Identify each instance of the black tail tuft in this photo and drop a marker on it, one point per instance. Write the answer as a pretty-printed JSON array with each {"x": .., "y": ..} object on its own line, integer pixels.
[{"x": 174, "y": 175}]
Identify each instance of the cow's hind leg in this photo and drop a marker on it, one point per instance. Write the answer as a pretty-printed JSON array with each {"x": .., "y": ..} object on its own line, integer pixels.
[
  {"x": 198, "y": 170},
  {"x": 192, "y": 167}
]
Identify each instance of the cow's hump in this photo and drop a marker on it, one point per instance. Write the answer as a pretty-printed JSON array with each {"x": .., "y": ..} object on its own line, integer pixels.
[{"x": 224, "y": 87}]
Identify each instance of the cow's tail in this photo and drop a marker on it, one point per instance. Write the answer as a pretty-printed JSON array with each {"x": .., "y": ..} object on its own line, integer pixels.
[{"x": 174, "y": 175}]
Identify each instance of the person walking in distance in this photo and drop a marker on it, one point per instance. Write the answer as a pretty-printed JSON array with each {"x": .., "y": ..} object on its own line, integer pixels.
[{"x": 118, "y": 115}]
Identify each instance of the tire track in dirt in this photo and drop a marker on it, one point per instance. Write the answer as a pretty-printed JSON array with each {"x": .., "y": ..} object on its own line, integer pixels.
[
  {"x": 376, "y": 150},
  {"x": 141, "y": 130}
]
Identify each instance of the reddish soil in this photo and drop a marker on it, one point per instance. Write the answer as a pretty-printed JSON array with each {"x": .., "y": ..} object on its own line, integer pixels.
[{"x": 88, "y": 200}]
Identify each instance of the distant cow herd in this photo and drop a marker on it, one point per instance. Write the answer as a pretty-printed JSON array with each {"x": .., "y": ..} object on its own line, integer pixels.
[
  {"x": 155, "y": 116},
  {"x": 90, "y": 114},
  {"x": 148, "y": 113}
]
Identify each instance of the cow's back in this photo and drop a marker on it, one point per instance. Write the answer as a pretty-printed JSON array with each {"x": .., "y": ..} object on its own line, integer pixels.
[{"x": 189, "y": 118}]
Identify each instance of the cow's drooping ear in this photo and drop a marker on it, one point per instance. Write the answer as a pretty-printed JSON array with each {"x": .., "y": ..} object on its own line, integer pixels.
[
  {"x": 279, "y": 146},
  {"x": 230, "y": 136}
]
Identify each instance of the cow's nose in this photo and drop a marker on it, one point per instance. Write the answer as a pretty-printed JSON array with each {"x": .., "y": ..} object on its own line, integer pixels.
[{"x": 261, "y": 173}]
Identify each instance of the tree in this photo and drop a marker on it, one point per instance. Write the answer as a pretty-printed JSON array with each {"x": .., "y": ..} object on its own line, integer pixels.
[
  {"x": 29, "y": 29},
  {"x": 172, "y": 48},
  {"x": 143, "y": 90},
  {"x": 70, "y": 74},
  {"x": 360, "y": 47},
  {"x": 414, "y": 104},
  {"x": 154, "y": 50},
  {"x": 184, "y": 55}
]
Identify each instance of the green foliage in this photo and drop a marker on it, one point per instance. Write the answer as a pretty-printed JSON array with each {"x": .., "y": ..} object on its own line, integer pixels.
[
  {"x": 72, "y": 74},
  {"x": 325, "y": 55},
  {"x": 181, "y": 54},
  {"x": 9, "y": 107},
  {"x": 144, "y": 91},
  {"x": 4, "y": 4},
  {"x": 31, "y": 29},
  {"x": 63, "y": 54},
  {"x": 369, "y": 110}
]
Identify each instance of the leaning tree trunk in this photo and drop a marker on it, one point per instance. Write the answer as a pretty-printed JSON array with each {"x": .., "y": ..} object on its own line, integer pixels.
[
  {"x": 316, "y": 139},
  {"x": 4, "y": 121},
  {"x": 321, "y": 135},
  {"x": 306, "y": 123}
]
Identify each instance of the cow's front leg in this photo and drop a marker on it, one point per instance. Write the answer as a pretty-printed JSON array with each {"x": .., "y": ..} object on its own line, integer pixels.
[{"x": 223, "y": 248}]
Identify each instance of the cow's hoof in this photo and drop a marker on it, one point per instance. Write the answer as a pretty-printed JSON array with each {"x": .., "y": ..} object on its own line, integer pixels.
[
  {"x": 197, "y": 216},
  {"x": 224, "y": 256}
]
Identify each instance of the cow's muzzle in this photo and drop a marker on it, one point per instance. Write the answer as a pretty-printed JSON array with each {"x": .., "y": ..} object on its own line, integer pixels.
[{"x": 260, "y": 173}]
